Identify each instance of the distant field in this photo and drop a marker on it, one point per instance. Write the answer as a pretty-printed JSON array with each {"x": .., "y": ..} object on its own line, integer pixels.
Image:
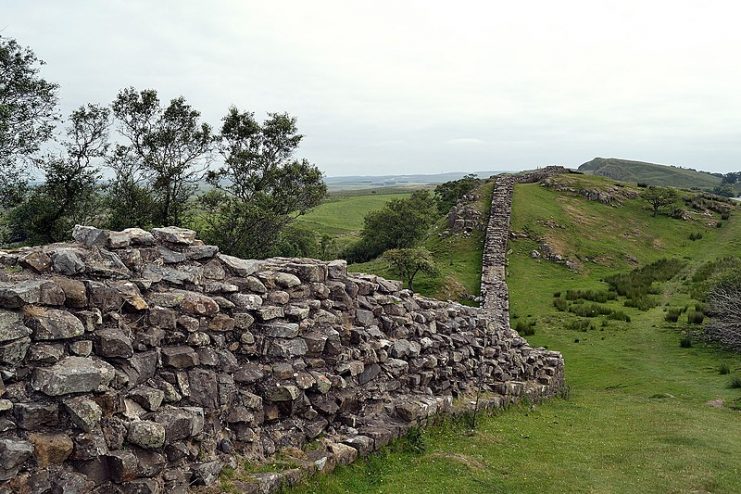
[{"x": 341, "y": 215}]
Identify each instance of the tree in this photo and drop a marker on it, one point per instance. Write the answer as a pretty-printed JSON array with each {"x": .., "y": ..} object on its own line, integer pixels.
[
  {"x": 168, "y": 146},
  {"x": 129, "y": 200},
  {"x": 27, "y": 116},
  {"x": 658, "y": 197},
  {"x": 402, "y": 223},
  {"x": 68, "y": 192},
  {"x": 724, "y": 306},
  {"x": 260, "y": 187},
  {"x": 408, "y": 262}
]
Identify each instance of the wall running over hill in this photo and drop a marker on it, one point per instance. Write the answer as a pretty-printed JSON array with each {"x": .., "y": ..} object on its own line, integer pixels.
[{"x": 145, "y": 362}]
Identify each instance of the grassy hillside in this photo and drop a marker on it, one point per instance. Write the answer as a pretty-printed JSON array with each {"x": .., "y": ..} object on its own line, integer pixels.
[
  {"x": 644, "y": 414},
  {"x": 651, "y": 173},
  {"x": 341, "y": 215}
]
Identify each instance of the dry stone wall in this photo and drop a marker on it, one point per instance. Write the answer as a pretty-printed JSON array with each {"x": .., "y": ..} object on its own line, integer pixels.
[{"x": 146, "y": 362}]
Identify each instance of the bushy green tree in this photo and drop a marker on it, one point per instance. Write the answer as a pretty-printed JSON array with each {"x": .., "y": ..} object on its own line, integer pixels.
[
  {"x": 260, "y": 187},
  {"x": 27, "y": 116},
  {"x": 68, "y": 193},
  {"x": 167, "y": 152},
  {"x": 401, "y": 223},
  {"x": 408, "y": 262},
  {"x": 659, "y": 197}
]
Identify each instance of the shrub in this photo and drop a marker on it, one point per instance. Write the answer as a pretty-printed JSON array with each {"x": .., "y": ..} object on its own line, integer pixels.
[
  {"x": 414, "y": 441},
  {"x": 617, "y": 315},
  {"x": 685, "y": 342},
  {"x": 525, "y": 328},
  {"x": 560, "y": 304},
  {"x": 719, "y": 224},
  {"x": 672, "y": 315},
  {"x": 638, "y": 282},
  {"x": 556, "y": 294},
  {"x": 724, "y": 369},
  {"x": 695, "y": 236},
  {"x": 695, "y": 317},
  {"x": 735, "y": 382},
  {"x": 583, "y": 325},
  {"x": 641, "y": 302},
  {"x": 590, "y": 310},
  {"x": 725, "y": 216}
]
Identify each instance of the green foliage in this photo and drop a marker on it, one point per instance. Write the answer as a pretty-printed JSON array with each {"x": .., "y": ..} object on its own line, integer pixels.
[
  {"x": 659, "y": 197},
  {"x": 259, "y": 187},
  {"x": 68, "y": 194},
  {"x": 167, "y": 149},
  {"x": 695, "y": 317},
  {"x": 447, "y": 194},
  {"x": 695, "y": 236},
  {"x": 27, "y": 116},
  {"x": 724, "y": 369},
  {"x": 686, "y": 342},
  {"x": 600, "y": 296},
  {"x": 589, "y": 310},
  {"x": 560, "y": 304},
  {"x": 525, "y": 328},
  {"x": 580, "y": 325},
  {"x": 735, "y": 382},
  {"x": 402, "y": 223},
  {"x": 672, "y": 315},
  {"x": 638, "y": 283},
  {"x": 406, "y": 263}
]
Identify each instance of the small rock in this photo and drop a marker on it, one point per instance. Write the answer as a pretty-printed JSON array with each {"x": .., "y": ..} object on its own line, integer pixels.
[{"x": 147, "y": 434}]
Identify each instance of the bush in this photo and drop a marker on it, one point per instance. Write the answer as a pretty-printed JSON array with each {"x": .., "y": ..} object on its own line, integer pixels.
[
  {"x": 695, "y": 236},
  {"x": 695, "y": 317},
  {"x": 556, "y": 294},
  {"x": 719, "y": 224},
  {"x": 525, "y": 328},
  {"x": 735, "y": 382},
  {"x": 724, "y": 369},
  {"x": 725, "y": 216},
  {"x": 560, "y": 304},
  {"x": 600, "y": 296},
  {"x": 590, "y": 310},
  {"x": 637, "y": 283},
  {"x": 672, "y": 315},
  {"x": 641, "y": 302},
  {"x": 685, "y": 342},
  {"x": 583, "y": 325},
  {"x": 617, "y": 315}
]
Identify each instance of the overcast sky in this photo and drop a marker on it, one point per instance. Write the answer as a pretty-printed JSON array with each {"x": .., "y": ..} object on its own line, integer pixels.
[{"x": 392, "y": 87}]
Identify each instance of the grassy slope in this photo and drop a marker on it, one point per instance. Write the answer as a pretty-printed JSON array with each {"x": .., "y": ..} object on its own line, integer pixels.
[
  {"x": 341, "y": 216},
  {"x": 458, "y": 260},
  {"x": 636, "y": 420},
  {"x": 650, "y": 173}
]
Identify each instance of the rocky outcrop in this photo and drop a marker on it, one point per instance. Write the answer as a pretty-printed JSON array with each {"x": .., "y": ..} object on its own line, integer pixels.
[
  {"x": 465, "y": 218},
  {"x": 146, "y": 362}
]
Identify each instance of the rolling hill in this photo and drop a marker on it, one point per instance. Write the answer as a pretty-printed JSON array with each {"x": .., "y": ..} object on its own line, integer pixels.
[{"x": 652, "y": 173}]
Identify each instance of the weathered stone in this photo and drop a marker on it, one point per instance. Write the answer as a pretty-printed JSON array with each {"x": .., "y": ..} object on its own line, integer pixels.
[
  {"x": 11, "y": 326},
  {"x": 213, "y": 270},
  {"x": 131, "y": 295},
  {"x": 67, "y": 262},
  {"x": 90, "y": 236},
  {"x": 248, "y": 373},
  {"x": 122, "y": 465},
  {"x": 287, "y": 348},
  {"x": 140, "y": 367},
  {"x": 221, "y": 322},
  {"x": 199, "y": 305},
  {"x": 240, "y": 267},
  {"x": 13, "y": 453},
  {"x": 53, "y": 324},
  {"x": 82, "y": 348},
  {"x": 84, "y": 412},
  {"x": 279, "y": 329},
  {"x": 34, "y": 416},
  {"x": 75, "y": 293},
  {"x": 287, "y": 280},
  {"x": 104, "y": 297},
  {"x": 279, "y": 392},
  {"x": 17, "y": 294},
  {"x": 36, "y": 260},
  {"x": 51, "y": 449},
  {"x": 14, "y": 352},
  {"x": 243, "y": 320},
  {"x": 113, "y": 343},
  {"x": 246, "y": 301},
  {"x": 200, "y": 252},
  {"x": 180, "y": 423},
  {"x": 207, "y": 473},
  {"x": 146, "y": 434},
  {"x": 174, "y": 235},
  {"x": 137, "y": 236},
  {"x": 73, "y": 375},
  {"x": 268, "y": 312},
  {"x": 170, "y": 256},
  {"x": 162, "y": 317},
  {"x": 106, "y": 264},
  {"x": 148, "y": 397},
  {"x": 46, "y": 354},
  {"x": 180, "y": 357},
  {"x": 204, "y": 387}
]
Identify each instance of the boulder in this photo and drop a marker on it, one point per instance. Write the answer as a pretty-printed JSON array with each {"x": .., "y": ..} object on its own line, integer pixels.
[{"x": 73, "y": 375}]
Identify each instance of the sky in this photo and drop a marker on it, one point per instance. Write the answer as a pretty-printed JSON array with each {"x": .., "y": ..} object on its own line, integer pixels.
[{"x": 396, "y": 87}]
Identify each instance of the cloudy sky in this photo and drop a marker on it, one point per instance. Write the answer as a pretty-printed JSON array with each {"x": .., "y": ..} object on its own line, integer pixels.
[{"x": 390, "y": 87}]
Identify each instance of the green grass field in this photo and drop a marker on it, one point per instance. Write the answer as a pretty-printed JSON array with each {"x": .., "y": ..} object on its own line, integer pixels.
[
  {"x": 341, "y": 215},
  {"x": 637, "y": 419}
]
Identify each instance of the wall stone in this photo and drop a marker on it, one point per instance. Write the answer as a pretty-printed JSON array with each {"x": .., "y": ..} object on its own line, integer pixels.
[{"x": 145, "y": 362}]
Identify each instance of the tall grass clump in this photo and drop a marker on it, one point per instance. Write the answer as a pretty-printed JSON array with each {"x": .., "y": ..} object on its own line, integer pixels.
[
  {"x": 695, "y": 317},
  {"x": 580, "y": 325},
  {"x": 560, "y": 304},
  {"x": 672, "y": 315},
  {"x": 636, "y": 285},
  {"x": 600, "y": 296},
  {"x": 590, "y": 310}
]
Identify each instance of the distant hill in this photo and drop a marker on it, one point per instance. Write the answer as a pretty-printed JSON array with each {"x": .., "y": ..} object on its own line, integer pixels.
[
  {"x": 651, "y": 173},
  {"x": 374, "y": 181}
]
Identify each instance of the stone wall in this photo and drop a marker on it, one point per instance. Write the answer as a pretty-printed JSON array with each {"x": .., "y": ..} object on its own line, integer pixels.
[{"x": 146, "y": 362}]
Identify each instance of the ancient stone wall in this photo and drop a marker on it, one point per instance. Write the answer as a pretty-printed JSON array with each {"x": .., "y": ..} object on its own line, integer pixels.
[{"x": 146, "y": 362}]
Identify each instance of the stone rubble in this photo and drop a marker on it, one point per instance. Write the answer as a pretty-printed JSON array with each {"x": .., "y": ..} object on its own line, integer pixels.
[{"x": 138, "y": 362}]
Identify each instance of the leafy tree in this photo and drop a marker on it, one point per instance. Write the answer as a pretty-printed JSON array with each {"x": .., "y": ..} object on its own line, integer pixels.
[
  {"x": 68, "y": 192},
  {"x": 260, "y": 187},
  {"x": 129, "y": 200},
  {"x": 27, "y": 116},
  {"x": 408, "y": 262},
  {"x": 402, "y": 223},
  {"x": 658, "y": 197},
  {"x": 168, "y": 147},
  {"x": 448, "y": 193}
]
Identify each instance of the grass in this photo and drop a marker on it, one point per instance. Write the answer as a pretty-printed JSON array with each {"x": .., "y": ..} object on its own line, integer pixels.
[{"x": 637, "y": 419}]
